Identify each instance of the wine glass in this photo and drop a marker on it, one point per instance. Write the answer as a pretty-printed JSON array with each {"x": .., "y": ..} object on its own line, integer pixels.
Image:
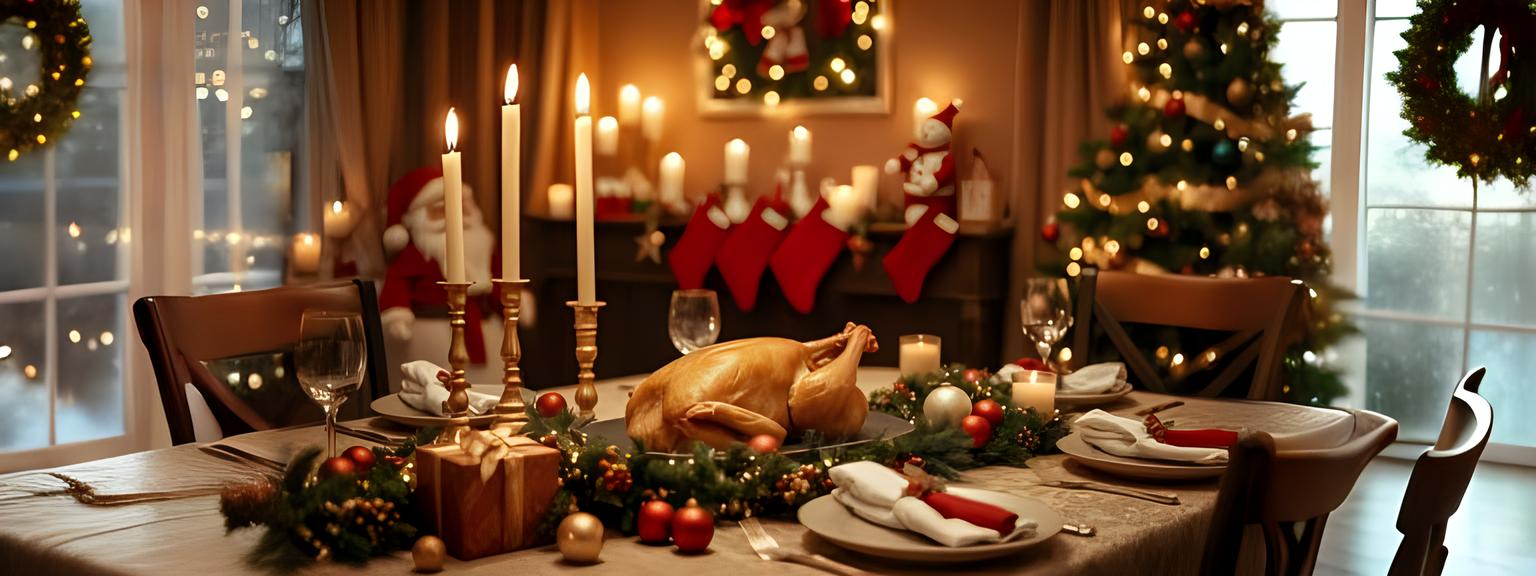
[
  {"x": 1046, "y": 313},
  {"x": 330, "y": 358},
  {"x": 694, "y": 320}
]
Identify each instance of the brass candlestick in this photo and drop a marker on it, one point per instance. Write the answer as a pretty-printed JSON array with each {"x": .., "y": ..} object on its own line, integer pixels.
[
  {"x": 457, "y": 404},
  {"x": 511, "y": 413},
  {"x": 586, "y": 355}
]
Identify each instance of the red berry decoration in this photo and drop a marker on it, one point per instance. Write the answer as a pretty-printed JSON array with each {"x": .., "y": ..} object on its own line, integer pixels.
[
  {"x": 360, "y": 456},
  {"x": 973, "y": 375},
  {"x": 654, "y": 521},
  {"x": 337, "y": 466},
  {"x": 550, "y": 404},
  {"x": 1119, "y": 135},
  {"x": 979, "y": 429},
  {"x": 1050, "y": 232},
  {"x": 1174, "y": 108},
  {"x": 990, "y": 410},
  {"x": 1185, "y": 21},
  {"x": 763, "y": 443},
  {"x": 692, "y": 528}
]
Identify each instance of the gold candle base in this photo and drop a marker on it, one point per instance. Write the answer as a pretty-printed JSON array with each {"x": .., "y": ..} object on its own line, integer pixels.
[
  {"x": 511, "y": 412},
  {"x": 457, "y": 404},
  {"x": 586, "y": 356}
]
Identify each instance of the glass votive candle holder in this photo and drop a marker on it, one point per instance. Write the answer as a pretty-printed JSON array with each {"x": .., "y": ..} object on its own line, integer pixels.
[
  {"x": 919, "y": 354},
  {"x": 1035, "y": 389}
]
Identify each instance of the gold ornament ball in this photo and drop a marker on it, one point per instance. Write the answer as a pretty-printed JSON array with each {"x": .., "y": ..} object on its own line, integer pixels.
[
  {"x": 580, "y": 538},
  {"x": 1193, "y": 50},
  {"x": 1239, "y": 93},
  {"x": 1104, "y": 159},
  {"x": 428, "y": 554}
]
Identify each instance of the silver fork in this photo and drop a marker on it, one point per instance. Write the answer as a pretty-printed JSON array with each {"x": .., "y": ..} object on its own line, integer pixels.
[{"x": 768, "y": 549}]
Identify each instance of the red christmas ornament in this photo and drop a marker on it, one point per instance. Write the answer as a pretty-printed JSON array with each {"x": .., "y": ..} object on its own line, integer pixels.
[
  {"x": 337, "y": 466},
  {"x": 973, "y": 375},
  {"x": 1174, "y": 108},
  {"x": 360, "y": 456},
  {"x": 692, "y": 528},
  {"x": 979, "y": 429},
  {"x": 990, "y": 410},
  {"x": 1119, "y": 135},
  {"x": 550, "y": 404},
  {"x": 763, "y": 444},
  {"x": 654, "y": 521},
  {"x": 1050, "y": 232},
  {"x": 1185, "y": 21}
]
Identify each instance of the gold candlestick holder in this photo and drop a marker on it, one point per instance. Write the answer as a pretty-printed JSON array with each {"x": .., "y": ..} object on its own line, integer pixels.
[
  {"x": 586, "y": 356},
  {"x": 511, "y": 412},
  {"x": 457, "y": 404}
]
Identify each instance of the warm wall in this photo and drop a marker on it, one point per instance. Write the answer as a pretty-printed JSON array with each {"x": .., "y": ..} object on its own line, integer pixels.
[{"x": 943, "y": 49}]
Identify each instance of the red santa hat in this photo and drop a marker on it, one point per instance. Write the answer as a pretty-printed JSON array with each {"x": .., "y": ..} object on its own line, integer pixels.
[
  {"x": 947, "y": 115},
  {"x": 418, "y": 188}
]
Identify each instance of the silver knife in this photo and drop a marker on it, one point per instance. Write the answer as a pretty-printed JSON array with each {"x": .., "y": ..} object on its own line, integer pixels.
[{"x": 1158, "y": 497}]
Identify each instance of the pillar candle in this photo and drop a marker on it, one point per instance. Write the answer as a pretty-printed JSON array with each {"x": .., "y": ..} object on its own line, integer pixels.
[
  {"x": 453, "y": 198},
  {"x": 629, "y": 105},
  {"x": 338, "y": 220},
  {"x": 866, "y": 183},
  {"x": 919, "y": 353},
  {"x": 843, "y": 206},
  {"x": 737, "y": 154},
  {"x": 586, "y": 268},
  {"x": 921, "y": 110},
  {"x": 799, "y": 146},
  {"x": 306, "y": 253},
  {"x": 653, "y": 114},
  {"x": 607, "y": 141},
  {"x": 511, "y": 174},
  {"x": 1035, "y": 389},
  {"x": 671, "y": 180},
  {"x": 561, "y": 201}
]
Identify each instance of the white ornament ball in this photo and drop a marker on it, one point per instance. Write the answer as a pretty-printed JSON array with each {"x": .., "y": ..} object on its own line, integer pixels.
[{"x": 946, "y": 406}]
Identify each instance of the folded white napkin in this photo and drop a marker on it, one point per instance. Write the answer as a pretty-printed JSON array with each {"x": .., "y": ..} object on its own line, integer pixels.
[
  {"x": 1129, "y": 438},
  {"x": 878, "y": 494},
  {"x": 422, "y": 390},
  {"x": 1093, "y": 379}
]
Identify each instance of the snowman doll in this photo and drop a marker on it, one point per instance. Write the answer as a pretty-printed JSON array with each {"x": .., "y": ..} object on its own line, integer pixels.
[{"x": 929, "y": 167}]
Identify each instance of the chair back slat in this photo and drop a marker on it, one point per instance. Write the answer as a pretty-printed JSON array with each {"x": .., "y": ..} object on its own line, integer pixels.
[{"x": 1440, "y": 478}]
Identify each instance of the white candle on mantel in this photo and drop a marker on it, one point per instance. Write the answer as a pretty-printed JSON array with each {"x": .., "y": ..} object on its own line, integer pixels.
[
  {"x": 511, "y": 174},
  {"x": 671, "y": 181},
  {"x": 843, "y": 206},
  {"x": 586, "y": 267},
  {"x": 653, "y": 115},
  {"x": 453, "y": 198},
  {"x": 919, "y": 354},
  {"x": 737, "y": 153},
  {"x": 629, "y": 105},
  {"x": 799, "y": 146},
  {"x": 561, "y": 201},
  {"x": 1035, "y": 389},
  {"x": 306, "y": 253},
  {"x": 607, "y": 141},
  {"x": 922, "y": 110},
  {"x": 338, "y": 220},
  {"x": 866, "y": 183}
]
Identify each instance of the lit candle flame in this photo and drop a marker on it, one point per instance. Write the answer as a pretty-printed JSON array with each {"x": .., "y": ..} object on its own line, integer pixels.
[
  {"x": 511, "y": 89},
  {"x": 652, "y": 105},
  {"x": 451, "y": 130},
  {"x": 336, "y": 206},
  {"x": 801, "y": 133},
  {"x": 583, "y": 96}
]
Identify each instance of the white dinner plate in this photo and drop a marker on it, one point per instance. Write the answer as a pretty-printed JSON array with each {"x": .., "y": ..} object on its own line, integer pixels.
[
  {"x": 394, "y": 409},
  {"x": 1135, "y": 468},
  {"x": 832, "y": 521},
  {"x": 1100, "y": 399}
]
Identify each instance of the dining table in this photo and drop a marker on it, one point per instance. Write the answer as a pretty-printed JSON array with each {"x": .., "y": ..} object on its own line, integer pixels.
[{"x": 46, "y": 531}]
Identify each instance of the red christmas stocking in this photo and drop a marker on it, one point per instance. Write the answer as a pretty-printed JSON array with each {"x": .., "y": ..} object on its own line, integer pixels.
[
  {"x": 919, "y": 249},
  {"x": 805, "y": 255},
  {"x": 744, "y": 254},
  {"x": 695, "y": 251}
]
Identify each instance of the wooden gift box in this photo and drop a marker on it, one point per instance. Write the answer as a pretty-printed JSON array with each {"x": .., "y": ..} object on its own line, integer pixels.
[{"x": 481, "y": 518}]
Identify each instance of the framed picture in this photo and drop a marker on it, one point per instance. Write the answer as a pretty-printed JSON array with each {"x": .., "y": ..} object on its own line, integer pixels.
[{"x": 793, "y": 57}]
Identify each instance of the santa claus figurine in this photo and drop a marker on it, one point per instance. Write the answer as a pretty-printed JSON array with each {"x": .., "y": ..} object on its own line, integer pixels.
[
  {"x": 928, "y": 166},
  {"x": 416, "y": 239}
]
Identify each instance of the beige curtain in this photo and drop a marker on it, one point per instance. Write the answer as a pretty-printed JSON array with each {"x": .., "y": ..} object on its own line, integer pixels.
[
  {"x": 1080, "y": 75},
  {"x": 570, "y": 49}
]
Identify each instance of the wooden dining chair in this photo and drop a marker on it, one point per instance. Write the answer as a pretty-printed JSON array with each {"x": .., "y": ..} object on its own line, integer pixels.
[
  {"x": 1440, "y": 479},
  {"x": 246, "y": 337},
  {"x": 1255, "y": 310},
  {"x": 1288, "y": 494}
]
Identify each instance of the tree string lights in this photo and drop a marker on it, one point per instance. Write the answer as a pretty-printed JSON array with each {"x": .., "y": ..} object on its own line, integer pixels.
[{"x": 778, "y": 50}]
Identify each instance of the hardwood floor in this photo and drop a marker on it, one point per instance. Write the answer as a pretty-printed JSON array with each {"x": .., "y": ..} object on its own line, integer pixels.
[{"x": 1494, "y": 532}]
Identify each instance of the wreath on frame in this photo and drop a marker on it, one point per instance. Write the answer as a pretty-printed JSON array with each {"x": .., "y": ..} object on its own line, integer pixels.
[
  {"x": 1488, "y": 134},
  {"x": 34, "y": 111}
]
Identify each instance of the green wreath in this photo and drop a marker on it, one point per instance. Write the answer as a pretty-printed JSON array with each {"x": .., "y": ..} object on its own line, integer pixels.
[
  {"x": 1486, "y": 135},
  {"x": 33, "y": 113}
]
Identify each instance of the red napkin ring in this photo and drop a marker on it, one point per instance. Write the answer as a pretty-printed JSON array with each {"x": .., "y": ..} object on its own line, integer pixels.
[{"x": 978, "y": 513}]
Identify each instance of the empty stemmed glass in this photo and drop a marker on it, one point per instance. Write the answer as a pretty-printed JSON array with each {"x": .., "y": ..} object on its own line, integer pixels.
[
  {"x": 1046, "y": 312},
  {"x": 330, "y": 358},
  {"x": 694, "y": 320}
]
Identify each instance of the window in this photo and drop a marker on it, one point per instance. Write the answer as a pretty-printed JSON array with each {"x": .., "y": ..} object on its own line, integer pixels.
[{"x": 63, "y": 288}]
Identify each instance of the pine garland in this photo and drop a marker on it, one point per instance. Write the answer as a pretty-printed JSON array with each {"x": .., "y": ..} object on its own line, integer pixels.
[{"x": 34, "y": 111}]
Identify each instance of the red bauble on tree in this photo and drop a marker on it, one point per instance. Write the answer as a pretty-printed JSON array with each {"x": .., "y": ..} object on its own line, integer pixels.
[
  {"x": 692, "y": 528},
  {"x": 1119, "y": 135},
  {"x": 1050, "y": 232},
  {"x": 1185, "y": 21},
  {"x": 978, "y": 428},
  {"x": 550, "y": 404},
  {"x": 972, "y": 375},
  {"x": 337, "y": 466},
  {"x": 362, "y": 457},
  {"x": 990, "y": 410},
  {"x": 1174, "y": 108},
  {"x": 654, "y": 522}
]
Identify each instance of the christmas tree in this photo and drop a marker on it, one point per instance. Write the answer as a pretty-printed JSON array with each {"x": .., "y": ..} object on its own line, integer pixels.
[{"x": 1206, "y": 172}]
